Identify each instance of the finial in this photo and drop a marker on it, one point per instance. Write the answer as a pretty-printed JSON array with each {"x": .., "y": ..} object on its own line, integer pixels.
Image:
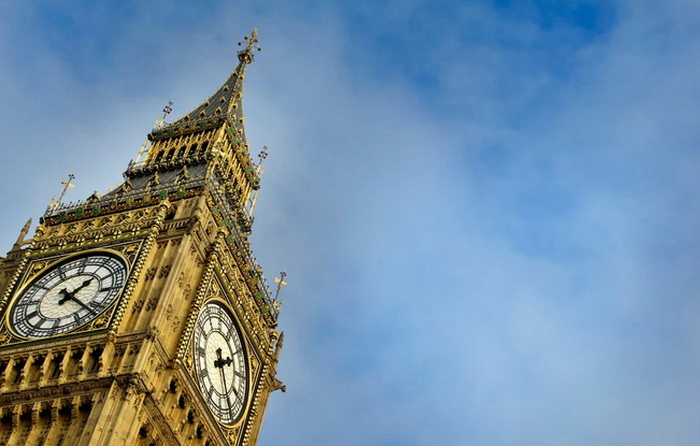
[
  {"x": 259, "y": 169},
  {"x": 23, "y": 233},
  {"x": 167, "y": 109},
  {"x": 159, "y": 123},
  {"x": 280, "y": 283},
  {"x": 246, "y": 55},
  {"x": 68, "y": 184},
  {"x": 262, "y": 155}
]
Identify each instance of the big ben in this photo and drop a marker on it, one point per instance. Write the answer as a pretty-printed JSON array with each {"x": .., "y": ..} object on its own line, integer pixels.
[{"x": 140, "y": 316}]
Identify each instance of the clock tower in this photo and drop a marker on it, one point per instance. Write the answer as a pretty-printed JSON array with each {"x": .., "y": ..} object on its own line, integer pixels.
[{"x": 140, "y": 317}]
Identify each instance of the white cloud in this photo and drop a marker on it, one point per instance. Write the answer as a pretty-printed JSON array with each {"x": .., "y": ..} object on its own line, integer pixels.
[{"x": 490, "y": 226}]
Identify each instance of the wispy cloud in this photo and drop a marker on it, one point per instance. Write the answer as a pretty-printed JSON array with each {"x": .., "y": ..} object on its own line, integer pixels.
[{"x": 488, "y": 210}]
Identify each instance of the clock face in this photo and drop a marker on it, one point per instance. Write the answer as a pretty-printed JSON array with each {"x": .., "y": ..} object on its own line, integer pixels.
[
  {"x": 68, "y": 295},
  {"x": 220, "y": 363}
]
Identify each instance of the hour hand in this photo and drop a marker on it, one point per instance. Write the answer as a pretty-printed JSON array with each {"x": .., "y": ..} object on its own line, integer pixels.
[
  {"x": 66, "y": 296},
  {"x": 220, "y": 362},
  {"x": 83, "y": 285}
]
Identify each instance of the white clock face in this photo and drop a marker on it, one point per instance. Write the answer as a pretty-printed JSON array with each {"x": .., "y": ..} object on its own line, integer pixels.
[
  {"x": 220, "y": 363},
  {"x": 68, "y": 295}
]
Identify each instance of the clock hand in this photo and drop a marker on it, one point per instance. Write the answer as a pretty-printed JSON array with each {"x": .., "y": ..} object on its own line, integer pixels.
[
  {"x": 218, "y": 358},
  {"x": 85, "y": 283},
  {"x": 228, "y": 396},
  {"x": 69, "y": 296},
  {"x": 219, "y": 363},
  {"x": 66, "y": 296},
  {"x": 79, "y": 302},
  {"x": 76, "y": 300}
]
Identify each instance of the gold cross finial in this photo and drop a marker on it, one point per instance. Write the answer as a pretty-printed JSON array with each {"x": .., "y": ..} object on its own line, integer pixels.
[
  {"x": 246, "y": 55},
  {"x": 67, "y": 184},
  {"x": 280, "y": 283}
]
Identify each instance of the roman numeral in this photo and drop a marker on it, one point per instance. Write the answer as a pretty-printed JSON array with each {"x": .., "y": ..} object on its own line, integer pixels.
[{"x": 83, "y": 264}]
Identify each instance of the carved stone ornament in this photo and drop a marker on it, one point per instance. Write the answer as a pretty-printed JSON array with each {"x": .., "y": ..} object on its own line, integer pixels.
[{"x": 5, "y": 336}]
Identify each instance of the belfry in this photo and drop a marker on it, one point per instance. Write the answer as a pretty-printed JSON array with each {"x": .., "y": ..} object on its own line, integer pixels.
[{"x": 140, "y": 317}]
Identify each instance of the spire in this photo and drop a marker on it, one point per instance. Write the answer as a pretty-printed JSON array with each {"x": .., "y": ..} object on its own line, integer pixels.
[
  {"x": 22, "y": 234},
  {"x": 226, "y": 102}
]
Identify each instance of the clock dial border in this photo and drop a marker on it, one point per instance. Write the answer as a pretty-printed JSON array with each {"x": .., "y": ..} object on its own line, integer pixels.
[
  {"x": 30, "y": 279},
  {"x": 197, "y": 371}
]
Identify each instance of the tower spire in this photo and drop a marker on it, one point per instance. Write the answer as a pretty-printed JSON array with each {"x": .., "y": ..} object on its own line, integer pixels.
[{"x": 225, "y": 103}]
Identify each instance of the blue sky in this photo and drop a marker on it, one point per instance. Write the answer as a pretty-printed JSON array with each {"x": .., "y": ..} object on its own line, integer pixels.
[{"x": 488, "y": 210}]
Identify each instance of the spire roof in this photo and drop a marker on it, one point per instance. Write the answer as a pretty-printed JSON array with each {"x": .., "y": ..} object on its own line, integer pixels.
[{"x": 226, "y": 102}]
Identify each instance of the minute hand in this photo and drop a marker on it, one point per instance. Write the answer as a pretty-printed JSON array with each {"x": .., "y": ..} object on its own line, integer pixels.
[
  {"x": 228, "y": 396},
  {"x": 75, "y": 299}
]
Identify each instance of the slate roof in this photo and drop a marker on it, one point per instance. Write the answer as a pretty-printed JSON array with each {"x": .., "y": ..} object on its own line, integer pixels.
[{"x": 226, "y": 102}]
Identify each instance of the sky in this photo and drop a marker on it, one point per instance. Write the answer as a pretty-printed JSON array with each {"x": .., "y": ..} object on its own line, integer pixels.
[{"x": 488, "y": 210}]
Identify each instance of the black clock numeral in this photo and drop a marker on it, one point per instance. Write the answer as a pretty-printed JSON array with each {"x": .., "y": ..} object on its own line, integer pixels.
[
  {"x": 83, "y": 264},
  {"x": 50, "y": 276},
  {"x": 41, "y": 323}
]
